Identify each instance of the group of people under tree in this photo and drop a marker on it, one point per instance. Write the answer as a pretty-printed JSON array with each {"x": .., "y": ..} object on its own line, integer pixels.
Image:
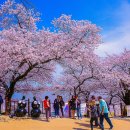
[
  {"x": 98, "y": 109},
  {"x": 58, "y": 107},
  {"x": 74, "y": 106}
]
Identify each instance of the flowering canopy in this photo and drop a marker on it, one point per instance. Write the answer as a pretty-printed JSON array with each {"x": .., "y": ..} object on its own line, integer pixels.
[{"x": 29, "y": 54}]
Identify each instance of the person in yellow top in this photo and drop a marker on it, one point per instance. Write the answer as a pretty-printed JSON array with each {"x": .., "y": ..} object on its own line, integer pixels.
[{"x": 93, "y": 113}]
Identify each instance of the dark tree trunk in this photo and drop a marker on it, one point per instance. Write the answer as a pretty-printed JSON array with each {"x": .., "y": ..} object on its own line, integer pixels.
[
  {"x": 7, "y": 105},
  {"x": 110, "y": 101},
  {"x": 127, "y": 98},
  {"x": 8, "y": 97}
]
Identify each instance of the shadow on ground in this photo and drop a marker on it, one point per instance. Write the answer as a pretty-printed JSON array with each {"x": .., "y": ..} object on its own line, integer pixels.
[
  {"x": 39, "y": 119},
  {"x": 86, "y": 125},
  {"x": 79, "y": 129},
  {"x": 83, "y": 124}
]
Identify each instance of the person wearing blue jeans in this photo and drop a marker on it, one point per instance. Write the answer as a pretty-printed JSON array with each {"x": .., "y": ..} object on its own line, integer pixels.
[
  {"x": 104, "y": 113},
  {"x": 79, "y": 115},
  {"x": 78, "y": 108}
]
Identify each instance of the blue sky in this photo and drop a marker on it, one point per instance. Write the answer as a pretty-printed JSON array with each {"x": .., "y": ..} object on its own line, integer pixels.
[
  {"x": 111, "y": 15},
  {"x": 92, "y": 10}
]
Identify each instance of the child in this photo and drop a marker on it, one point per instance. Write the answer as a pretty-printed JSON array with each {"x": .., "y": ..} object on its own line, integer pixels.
[{"x": 94, "y": 114}]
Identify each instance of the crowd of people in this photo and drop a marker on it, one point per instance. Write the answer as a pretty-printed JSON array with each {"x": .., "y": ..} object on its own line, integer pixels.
[
  {"x": 97, "y": 109},
  {"x": 58, "y": 107},
  {"x": 74, "y": 107}
]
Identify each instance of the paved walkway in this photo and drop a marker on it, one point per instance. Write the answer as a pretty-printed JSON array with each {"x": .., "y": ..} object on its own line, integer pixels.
[{"x": 56, "y": 124}]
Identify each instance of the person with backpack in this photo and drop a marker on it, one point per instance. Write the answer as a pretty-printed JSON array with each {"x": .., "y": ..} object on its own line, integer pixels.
[
  {"x": 93, "y": 98},
  {"x": 1, "y": 102},
  {"x": 93, "y": 113},
  {"x": 46, "y": 107},
  {"x": 61, "y": 103}
]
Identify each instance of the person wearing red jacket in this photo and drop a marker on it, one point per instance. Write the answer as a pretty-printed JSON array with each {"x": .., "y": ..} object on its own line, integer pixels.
[{"x": 46, "y": 107}]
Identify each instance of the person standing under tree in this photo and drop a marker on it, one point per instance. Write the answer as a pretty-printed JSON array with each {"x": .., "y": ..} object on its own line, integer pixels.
[
  {"x": 46, "y": 107},
  {"x": 56, "y": 106},
  {"x": 61, "y": 102},
  {"x": 73, "y": 107},
  {"x": 1, "y": 102},
  {"x": 78, "y": 107}
]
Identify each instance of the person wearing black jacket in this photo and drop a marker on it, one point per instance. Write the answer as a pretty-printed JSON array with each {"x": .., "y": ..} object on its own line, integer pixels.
[
  {"x": 61, "y": 103},
  {"x": 72, "y": 104},
  {"x": 56, "y": 106}
]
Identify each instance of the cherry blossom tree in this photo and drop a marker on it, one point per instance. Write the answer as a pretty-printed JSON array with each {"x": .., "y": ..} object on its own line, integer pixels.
[
  {"x": 14, "y": 14},
  {"x": 109, "y": 76},
  {"x": 118, "y": 73},
  {"x": 81, "y": 77},
  {"x": 30, "y": 55}
]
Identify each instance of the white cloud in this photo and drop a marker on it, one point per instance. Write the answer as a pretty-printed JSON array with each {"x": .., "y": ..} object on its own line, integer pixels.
[{"x": 118, "y": 38}]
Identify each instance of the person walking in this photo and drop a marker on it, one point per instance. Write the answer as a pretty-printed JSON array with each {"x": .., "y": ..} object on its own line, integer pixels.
[
  {"x": 104, "y": 113},
  {"x": 93, "y": 113},
  {"x": 73, "y": 107},
  {"x": 1, "y": 102},
  {"x": 46, "y": 107},
  {"x": 78, "y": 107},
  {"x": 56, "y": 106},
  {"x": 93, "y": 99},
  {"x": 61, "y": 103}
]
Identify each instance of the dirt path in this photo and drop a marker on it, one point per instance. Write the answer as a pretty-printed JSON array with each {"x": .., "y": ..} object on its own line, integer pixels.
[{"x": 55, "y": 124}]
